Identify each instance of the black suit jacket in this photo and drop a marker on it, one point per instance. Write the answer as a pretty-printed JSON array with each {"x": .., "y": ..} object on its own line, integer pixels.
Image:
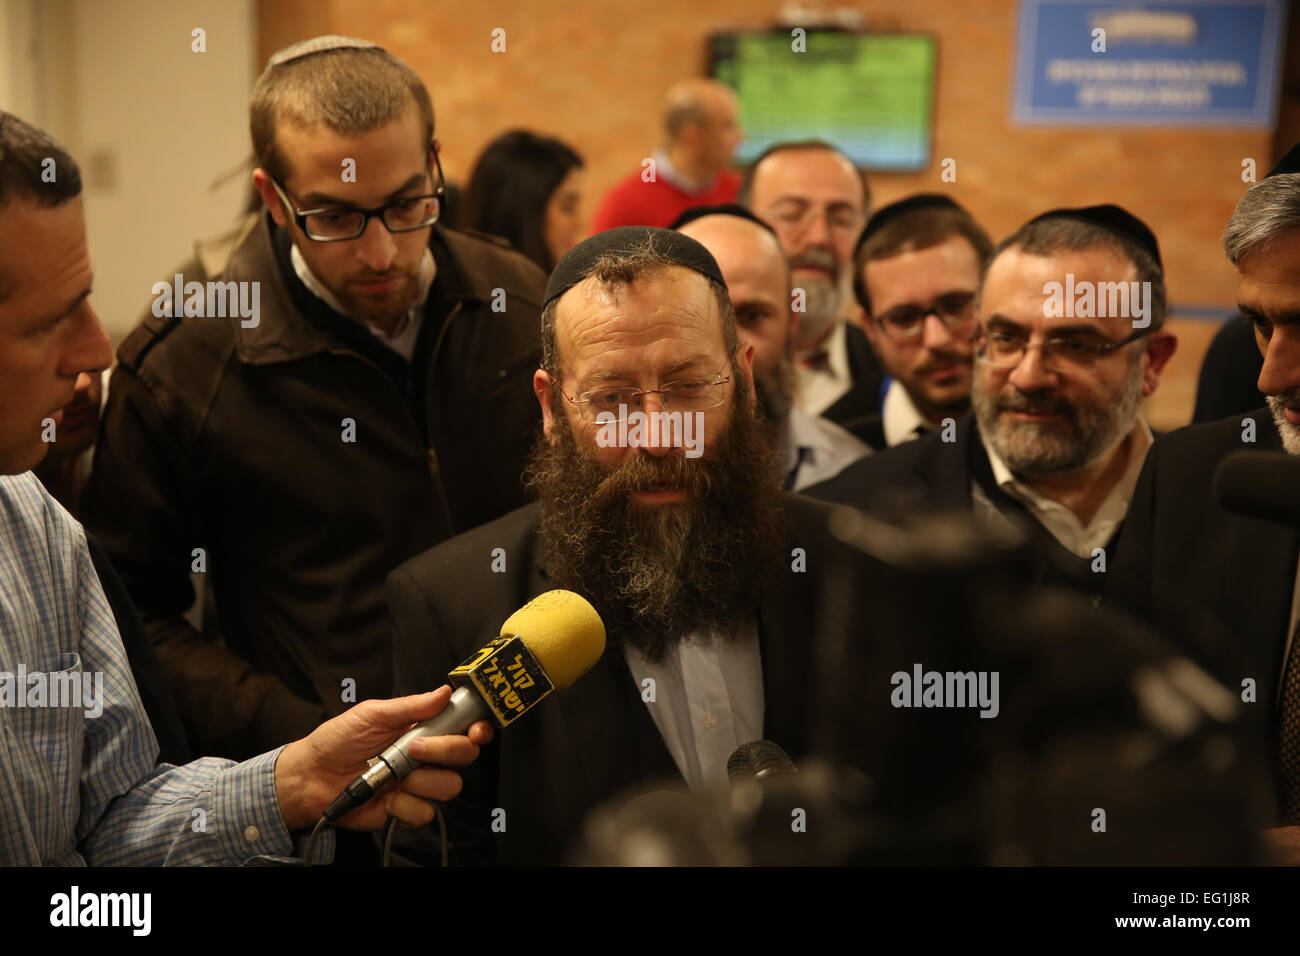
[
  {"x": 933, "y": 475},
  {"x": 858, "y": 409},
  {"x": 584, "y": 745},
  {"x": 1217, "y": 583}
]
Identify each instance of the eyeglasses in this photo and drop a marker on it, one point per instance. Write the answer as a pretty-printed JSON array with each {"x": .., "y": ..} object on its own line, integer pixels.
[
  {"x": 1005, "y": 350},
  {"x": 338, "y": 224},
  {"x": 800, "y": 216},
  {"x": 603, "y": 405},
  {"x": 908, "y": 321}
]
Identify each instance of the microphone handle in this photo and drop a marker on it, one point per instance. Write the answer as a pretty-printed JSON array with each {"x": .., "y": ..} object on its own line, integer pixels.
[{"x": 465, "y": 707}]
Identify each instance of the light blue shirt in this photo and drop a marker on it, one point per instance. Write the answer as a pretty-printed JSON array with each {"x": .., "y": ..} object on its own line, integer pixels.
[
  {"x": 815, "y": 449},
  {"x": 708, "y": 700},
  {"x": 79, "y": 789}
]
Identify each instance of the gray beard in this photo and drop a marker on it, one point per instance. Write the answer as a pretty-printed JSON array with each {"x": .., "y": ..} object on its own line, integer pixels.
[
  {"x": 1038, "y": 449},
  {"x": 823, "y": 302},
  {"x": 1290, "y": 433}
]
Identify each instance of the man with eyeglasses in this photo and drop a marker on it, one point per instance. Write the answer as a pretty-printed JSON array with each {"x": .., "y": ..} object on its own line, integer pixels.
[
  {"x": 812, "y": 448},
  {"x": 817, "y": 201},
  {"x": 1056, "y": 436},
  {"x": 916, "y": 272},
  {"x": 378, "y": 406},
  {"x": 693, "y": 563}
]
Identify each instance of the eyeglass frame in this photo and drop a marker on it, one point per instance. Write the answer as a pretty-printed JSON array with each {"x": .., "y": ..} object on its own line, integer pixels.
[
  {"x": 641, "y": 393},
  {"x": 969, "y": 313},
  {"x": 1098, "y": 352},
  {"x": 300, "y": 215},
  {"x": 804, "y": 221}
]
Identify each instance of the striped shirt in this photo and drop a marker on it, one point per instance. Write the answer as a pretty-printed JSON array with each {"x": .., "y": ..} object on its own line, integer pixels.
[{"x": 78, "y": 781}]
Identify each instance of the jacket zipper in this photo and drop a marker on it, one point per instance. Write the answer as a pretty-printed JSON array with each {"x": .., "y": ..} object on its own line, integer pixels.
[{"x": 431, "y": 454}]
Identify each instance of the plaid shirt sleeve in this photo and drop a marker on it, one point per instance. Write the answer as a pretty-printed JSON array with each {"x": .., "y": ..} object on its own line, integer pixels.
[{"x": 78, "y": 781}]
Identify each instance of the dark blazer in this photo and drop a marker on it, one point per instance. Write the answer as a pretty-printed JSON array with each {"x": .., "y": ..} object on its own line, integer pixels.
[
  {"x": 858, "y": 409},
  {"x": 933, "y": 475},
  {"x": 1217, "y": 583},
  {"x": 1229, "y": 373},
  {"x": 586, "y": 744}
]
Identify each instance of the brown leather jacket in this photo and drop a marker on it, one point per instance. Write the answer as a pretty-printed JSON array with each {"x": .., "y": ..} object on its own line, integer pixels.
[{"x": 232, "y": 440}]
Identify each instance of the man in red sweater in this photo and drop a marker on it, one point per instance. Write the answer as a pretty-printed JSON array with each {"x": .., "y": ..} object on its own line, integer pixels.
[{"x": 693, "y": 168}]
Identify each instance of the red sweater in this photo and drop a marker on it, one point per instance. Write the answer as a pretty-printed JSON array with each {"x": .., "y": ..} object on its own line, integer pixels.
[{"x": 632, "y": 202}]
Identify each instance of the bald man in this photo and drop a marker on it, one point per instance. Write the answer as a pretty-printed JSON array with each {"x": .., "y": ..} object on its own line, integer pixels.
[
  {"x": 816, "y": 200},
  {"x": 747, "y": 250},
  {"x": 692, "y": 168}
]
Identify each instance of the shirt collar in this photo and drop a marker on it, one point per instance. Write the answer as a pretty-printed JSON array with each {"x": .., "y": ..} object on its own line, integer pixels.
[
  {"x": 801, "y": 439},
  {"x": 428, "y": 271},
  {"x": 836, "y": 347},
  {"x": 1111, "y": 512},
  {"x": 900, "y": 417},
  {"x": 665, "y": 170}
]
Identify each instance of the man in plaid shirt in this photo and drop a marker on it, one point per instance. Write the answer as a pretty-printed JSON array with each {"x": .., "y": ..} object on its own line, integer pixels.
[{"x": 78, "y": 781}]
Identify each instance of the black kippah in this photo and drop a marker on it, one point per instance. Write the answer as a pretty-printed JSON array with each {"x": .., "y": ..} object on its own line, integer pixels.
[
  {"x": 1290, "y": 163},
  {"x": 681, "y": 250},
  {"x": 1113, "y": 219},
  {"x": 895, "y": 209},
  {"x": 724, "y": 209}
]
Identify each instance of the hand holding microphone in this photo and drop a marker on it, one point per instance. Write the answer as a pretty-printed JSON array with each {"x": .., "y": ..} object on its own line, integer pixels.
[
  {"x": 309, "y": 772},
  {"x": 544, "y": 646}
]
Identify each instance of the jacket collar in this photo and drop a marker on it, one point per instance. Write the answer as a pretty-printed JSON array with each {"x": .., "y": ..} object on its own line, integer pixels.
[{"x": 284, "y": 334}]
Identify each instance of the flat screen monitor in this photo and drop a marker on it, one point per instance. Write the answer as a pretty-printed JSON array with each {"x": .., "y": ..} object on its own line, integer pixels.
[{"x": 870, "y": 94}]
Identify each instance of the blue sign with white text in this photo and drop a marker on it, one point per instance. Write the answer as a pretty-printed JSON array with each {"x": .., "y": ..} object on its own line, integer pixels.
[{"x": 1162, "y": 62}]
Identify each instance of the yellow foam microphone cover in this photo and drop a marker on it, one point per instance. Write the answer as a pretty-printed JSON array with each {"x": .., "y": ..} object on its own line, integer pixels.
[{"x": 563, "y": 631}]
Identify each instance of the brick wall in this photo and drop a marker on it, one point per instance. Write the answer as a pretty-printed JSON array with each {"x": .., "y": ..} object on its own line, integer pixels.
[{"x": 593, "y": 72}]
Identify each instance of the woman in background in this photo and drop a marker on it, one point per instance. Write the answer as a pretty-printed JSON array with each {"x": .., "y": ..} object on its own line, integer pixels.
[{"x": 527, "y": 189}]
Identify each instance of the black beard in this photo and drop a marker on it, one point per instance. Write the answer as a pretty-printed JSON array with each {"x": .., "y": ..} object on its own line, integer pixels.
[{"x": 659, "y": 573}]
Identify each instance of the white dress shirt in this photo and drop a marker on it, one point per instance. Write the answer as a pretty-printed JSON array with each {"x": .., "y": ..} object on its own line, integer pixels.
[
  {"x": 407, "y": 330},
  {"x": 815, "y": 449},
  {"x": 708, "y": 701},
  {"x": 901, "y": 421},
  {"x": 1063, "y": 523},
  {"x": 822, "y": 386}
]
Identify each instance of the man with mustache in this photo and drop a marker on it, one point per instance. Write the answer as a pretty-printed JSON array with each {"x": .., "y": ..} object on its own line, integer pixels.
[
  {"x": 916, "y": 272},
  {"x": 371, "y": 409},
  {"x": 1222, "y": 584},
  {"x": 691, "y": 562},
  {"x": 812, "y": 449},
  {"x": 816, "y": 200},
  {"x": 1056, "y": 436}
]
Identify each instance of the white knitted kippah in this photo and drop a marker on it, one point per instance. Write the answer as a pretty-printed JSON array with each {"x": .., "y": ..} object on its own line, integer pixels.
[{"x": 322, "y": 44}]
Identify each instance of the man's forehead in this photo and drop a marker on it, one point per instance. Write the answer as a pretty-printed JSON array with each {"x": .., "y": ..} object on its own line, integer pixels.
[
  {"x": 1269, "y": 280},
  {"x": 948, "y": 263},
  {"x": 672, "y": 303},
  {"x": 43, "y": 254},
  {"x": 739, "y": 246},
  {"x": 1018, "y": 285},
  {"x": 808, "y": 174},
  {"x": 313, "y": 154}
]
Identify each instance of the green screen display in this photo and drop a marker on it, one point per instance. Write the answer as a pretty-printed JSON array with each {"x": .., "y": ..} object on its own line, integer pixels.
[{"x": 869, "y": 94}]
